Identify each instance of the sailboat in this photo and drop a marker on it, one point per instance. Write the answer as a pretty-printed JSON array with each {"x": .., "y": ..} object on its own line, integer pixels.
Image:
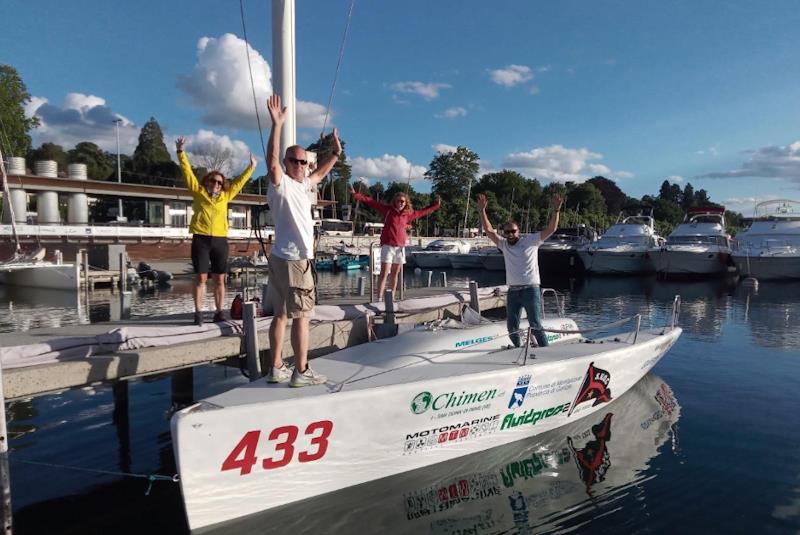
[{"x": 32, "y": 269}]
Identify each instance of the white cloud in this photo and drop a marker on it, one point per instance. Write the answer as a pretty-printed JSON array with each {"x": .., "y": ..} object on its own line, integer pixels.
[
  {"x": 452, "y": 113},
  {"x": 206, "y": 142},
  {"x": 387, "y": 167},
  {"x": 441, "y": 148},
  {"x": 675, "y": 178},
  {"x": 511, "y": 75},
  {"x": 557, "y": 163},
  {"x": 428, "y": 91},
  {"x": 219, "y": 84},
  {"x": 775, "y": 161},
  {"x": 713, "y": 151},
  {"x": 624, "y": 174},
  {"x": 81, "y": 118}
]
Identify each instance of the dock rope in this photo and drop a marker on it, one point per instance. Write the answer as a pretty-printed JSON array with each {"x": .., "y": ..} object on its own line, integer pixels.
[{"x": 149, "y": 477}]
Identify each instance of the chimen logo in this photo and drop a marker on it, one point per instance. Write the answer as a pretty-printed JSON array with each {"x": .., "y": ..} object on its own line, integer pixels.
[
  {"x": 595, "y": 386},
  {"x": 450, "y": 400}
]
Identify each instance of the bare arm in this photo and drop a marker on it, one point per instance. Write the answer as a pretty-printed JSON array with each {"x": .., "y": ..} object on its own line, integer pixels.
[
  {"x": 278, "y": 115},
  {"x": 241, "y": 181},
  {"x": 326, "y": 166},
  {"x": 487, "y": 226},
  {"x": 555, "y": 209}
]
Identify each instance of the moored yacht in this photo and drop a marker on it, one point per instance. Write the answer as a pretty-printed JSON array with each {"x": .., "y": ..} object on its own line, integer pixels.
[
  {"x": 770, "y": 247},
  {"x": 625, "y": 248},
  {"x": 698, "y": 246},
  {"x": 437, "y": 254},
  {"x": 559, "y": 252}
]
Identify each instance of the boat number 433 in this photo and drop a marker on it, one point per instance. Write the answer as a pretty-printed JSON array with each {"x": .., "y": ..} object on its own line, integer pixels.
[{"x": 243, "y": 456}]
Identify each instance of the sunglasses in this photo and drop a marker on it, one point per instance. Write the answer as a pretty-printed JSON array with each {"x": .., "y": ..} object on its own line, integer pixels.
[
  {"x": 296, "y": 161},
  {"x": 216, "y": 182}
]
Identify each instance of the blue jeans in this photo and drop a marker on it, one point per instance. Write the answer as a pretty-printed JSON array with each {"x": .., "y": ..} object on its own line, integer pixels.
[{"x": 529, "y": 298}]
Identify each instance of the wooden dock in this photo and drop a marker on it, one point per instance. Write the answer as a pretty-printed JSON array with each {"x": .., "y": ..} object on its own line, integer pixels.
[{"x": 326, "y": 337}]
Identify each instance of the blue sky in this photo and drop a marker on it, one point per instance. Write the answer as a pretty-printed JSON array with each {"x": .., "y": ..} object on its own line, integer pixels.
[{"x": 690, "y": 91}]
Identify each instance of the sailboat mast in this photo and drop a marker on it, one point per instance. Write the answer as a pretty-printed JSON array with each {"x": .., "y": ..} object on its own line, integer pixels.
[
  {"x": 7, "y": 201},
  {"x": 283, "y": 67}
]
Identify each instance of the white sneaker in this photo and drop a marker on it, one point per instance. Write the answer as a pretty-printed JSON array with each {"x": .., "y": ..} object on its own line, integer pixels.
[
  {"x": 307, "y": 378},
  {"x": 279, "y": 375}
]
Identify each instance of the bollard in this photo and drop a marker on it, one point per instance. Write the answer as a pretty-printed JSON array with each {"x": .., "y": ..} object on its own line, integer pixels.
[
  {"x": 251, "y": 341},
  {"x": 429, "y": 276},
  {"x": 444, "y": 279},
  {"x": 361, "y": 282},
  {"x": 401, "y": 284},
  {"x": 85, "y": 261},
  {"x": 474, "y": 302},
  {"x": 388, "y": 302},
  {"x": 125, "y": 305}
]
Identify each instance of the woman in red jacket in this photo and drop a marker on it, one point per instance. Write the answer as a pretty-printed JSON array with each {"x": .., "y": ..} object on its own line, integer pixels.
[{"x": 397, "y": 215}]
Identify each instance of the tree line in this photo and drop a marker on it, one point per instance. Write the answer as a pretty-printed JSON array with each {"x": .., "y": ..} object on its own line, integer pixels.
[{"x": 596, "y": 202}]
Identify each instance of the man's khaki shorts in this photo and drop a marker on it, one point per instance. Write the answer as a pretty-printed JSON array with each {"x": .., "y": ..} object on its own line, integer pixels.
[{"x": 292, "y": 284}]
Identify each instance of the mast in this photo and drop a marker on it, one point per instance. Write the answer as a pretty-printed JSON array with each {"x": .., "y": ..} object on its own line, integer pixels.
[
  {"x": 7, "y": 201},
  {"x": 283, "y": 67}
]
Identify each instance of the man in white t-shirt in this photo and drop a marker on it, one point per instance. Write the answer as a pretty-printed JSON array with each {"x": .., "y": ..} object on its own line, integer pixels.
[
  {"x": 291, "y": 279},
  {"x": 521, "y": 253}
]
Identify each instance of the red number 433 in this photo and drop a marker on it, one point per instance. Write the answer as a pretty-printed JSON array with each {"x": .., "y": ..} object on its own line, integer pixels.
[{"x": 243, "y": 455}]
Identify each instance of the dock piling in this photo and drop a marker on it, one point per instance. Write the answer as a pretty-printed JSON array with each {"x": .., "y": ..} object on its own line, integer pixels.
[
  {"x": 388, "y": 301},
  {"x": 474, "y": 301},
  {"x": 444, "y": 279},
  {"x": 429, "y": 276},
  {"x": 361, "y": 282},
  {"x": 251, "y": 341}
]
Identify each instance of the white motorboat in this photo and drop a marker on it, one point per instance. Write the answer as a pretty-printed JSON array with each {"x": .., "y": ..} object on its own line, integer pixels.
[
  {"x": 437, "y": 254},
  {"x": 494, "y": 261},
  {"x": 33, "y": 271},
  {"x": 625, "y": 248},
  {"x": 770, "y": 247},
  {"x": 394, "y": 405},
  {"x": 559, "y": 253},
  {"x": 698, "y": 246},
  {"x": 537, "y": 485},
  {"x": 472, "y": 259}
]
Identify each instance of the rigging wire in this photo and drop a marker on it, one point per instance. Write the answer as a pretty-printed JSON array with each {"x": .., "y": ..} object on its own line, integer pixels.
[
  {"x": 338, "y": 65},
  {"x": 252, "y": 86}
]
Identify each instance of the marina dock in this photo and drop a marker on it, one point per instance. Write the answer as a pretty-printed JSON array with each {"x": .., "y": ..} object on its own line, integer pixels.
[{"x": 80, "y": 360}]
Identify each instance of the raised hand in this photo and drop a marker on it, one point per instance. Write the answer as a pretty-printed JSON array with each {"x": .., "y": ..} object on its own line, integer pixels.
[
  {"x": 180, "y": 143},
  {"x": 276, "y": 112},
  {"x": 337, "y": 145},
  {"x": 253, "y": 161},
  {"x": 556, "y": 201},
  {"x": 352, "y": 189},
  {"x": 483, "y": 202}
]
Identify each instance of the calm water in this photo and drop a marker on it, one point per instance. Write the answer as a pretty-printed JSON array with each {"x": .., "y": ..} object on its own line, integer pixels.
[{"x": 709, "y": 444}]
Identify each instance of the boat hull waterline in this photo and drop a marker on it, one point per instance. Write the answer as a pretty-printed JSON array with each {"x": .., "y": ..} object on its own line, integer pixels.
[{"x": 249, "y": 457}]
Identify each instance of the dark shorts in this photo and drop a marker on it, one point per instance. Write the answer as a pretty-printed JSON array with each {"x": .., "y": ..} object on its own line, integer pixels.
[{"x": 209, "y": 254}]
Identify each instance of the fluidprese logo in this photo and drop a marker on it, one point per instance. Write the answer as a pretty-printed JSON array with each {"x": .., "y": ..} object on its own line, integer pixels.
[{"x": 449, "y": 400}]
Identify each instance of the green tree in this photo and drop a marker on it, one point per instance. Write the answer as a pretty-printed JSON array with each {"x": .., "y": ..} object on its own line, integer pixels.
[
  {"x": 14, "y": 140},
  {"x": 151, "y": 162},
  {"x": 586, "y": 199},
  {"x": 48, "y": 151},
  {"x": 614, "y": 197},
  {"x": 100, "y": 165},
  {"x": 337, "y": 185},
  {"x": 452, "y": 174},
  {"x": 687, "y": 197},
  {"x": 701, "y": 198}
]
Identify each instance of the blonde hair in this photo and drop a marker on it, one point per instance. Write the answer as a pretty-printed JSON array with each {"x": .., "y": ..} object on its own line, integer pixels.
[{"x": 401, "y": 195}]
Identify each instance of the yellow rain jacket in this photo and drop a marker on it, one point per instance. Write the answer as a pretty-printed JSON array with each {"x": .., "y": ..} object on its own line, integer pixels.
[{"x": 210, "y": 214}]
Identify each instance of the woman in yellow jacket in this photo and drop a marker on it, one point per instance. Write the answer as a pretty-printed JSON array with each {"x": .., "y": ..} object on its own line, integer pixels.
[{"x": 209, "y": 228}]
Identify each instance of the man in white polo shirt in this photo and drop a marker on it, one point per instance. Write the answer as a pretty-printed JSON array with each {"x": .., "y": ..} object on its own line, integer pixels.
[
  {"x": 292, "y": 252},
  {"x": 521, "y": 254}
]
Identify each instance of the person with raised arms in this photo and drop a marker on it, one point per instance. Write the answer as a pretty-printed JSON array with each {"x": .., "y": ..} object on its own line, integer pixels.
[
  {"x": 521, "y": 254},
  {"x": 291, "y": 277}
]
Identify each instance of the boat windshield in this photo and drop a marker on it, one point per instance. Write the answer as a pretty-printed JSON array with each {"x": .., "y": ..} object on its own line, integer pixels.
[{"x": 696, "y": 240}]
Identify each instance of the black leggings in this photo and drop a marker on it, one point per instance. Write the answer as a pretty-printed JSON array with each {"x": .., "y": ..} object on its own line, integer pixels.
[{"x": 209, "y": 254}]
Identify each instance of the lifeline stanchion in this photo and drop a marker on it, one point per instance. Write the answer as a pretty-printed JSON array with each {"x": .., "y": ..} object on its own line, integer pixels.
[{"x": 251, "y": 340}]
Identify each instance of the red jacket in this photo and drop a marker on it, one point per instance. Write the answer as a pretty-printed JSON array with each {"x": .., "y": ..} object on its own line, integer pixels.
[{"x": 394, "y": 223}]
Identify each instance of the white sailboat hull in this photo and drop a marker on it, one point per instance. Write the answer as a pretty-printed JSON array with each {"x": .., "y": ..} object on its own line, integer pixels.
[
  {"x": 383, "y": 413},
  {"x": 41, "y": 275}
]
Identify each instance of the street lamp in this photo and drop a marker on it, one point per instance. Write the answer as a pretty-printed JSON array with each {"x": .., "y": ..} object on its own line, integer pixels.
[{"x": 119, "y": 169}]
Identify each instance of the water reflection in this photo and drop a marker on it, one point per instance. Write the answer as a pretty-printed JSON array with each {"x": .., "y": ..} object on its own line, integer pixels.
[
  {"x": 772, "y": 312},
  {"x": 558, "y": 480}
]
